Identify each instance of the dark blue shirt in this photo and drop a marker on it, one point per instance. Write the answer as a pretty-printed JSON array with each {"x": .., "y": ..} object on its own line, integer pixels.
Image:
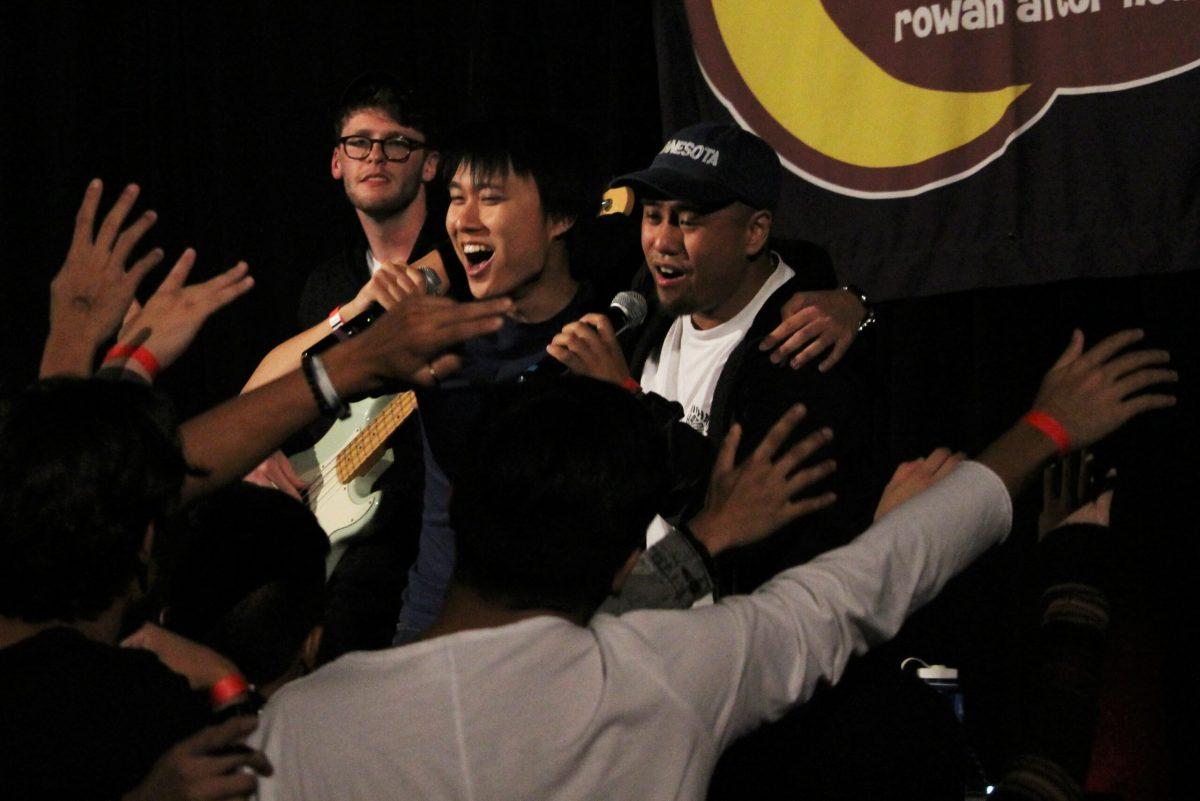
[{"x": 448, "y": 416}]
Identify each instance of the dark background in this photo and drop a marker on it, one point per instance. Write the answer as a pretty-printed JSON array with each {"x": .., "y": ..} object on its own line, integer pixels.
[{"x": 222, "y": 114}]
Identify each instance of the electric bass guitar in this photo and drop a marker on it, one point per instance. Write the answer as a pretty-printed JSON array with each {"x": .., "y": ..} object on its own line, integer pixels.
[{"x": 344, "y": 465}]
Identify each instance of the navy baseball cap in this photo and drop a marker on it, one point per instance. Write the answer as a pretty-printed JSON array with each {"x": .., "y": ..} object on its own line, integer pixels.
[{"x": 711, "y": 164}]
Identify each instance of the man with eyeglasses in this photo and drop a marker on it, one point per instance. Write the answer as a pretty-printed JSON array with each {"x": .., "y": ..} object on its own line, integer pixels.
[{"x": 385, "y": 154}]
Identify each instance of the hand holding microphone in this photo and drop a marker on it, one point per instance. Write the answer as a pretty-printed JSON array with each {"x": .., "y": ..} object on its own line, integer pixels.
[
  {"x": 589, "y": 346},
  {"x": 392, "y": 283}
]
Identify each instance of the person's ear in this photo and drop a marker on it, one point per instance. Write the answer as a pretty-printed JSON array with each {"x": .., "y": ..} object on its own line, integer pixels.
[
  {"x": 430, "y": 167},
  {"x": 623, "y": 574},
  {"x": 335, "y": 164},
  {"x": 560, "y": 225},
  {"x": 758, "y": 231}
]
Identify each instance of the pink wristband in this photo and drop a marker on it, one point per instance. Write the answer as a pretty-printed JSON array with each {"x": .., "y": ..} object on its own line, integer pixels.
[
  {"x": 1051, "y": 428},
  {"x": 335, "y": 318},
  {"x": 139, "y": 354},
  {"x": 632, "y": 385}
]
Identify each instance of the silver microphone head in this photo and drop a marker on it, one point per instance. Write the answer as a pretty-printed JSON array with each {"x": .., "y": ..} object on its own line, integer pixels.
[
  {"x": 433, "y": 281},
  {"x": 632, "y": 305}
]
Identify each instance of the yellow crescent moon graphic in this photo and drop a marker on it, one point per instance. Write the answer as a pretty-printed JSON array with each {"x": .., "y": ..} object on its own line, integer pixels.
[{"x": 829, "y": 94}]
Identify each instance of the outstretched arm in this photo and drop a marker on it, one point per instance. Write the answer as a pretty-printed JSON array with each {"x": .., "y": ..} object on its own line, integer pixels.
[
  {"x": 228, "y": 440},
  {"x": 801, "y": 628},
  {"x": 1090, "y": 394},
  {"x": 744, "y": 504},
  {"x": 387, "y": 287}
]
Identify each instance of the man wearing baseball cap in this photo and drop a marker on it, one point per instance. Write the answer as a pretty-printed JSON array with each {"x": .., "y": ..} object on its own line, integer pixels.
[{"x": 707, "y": 208}]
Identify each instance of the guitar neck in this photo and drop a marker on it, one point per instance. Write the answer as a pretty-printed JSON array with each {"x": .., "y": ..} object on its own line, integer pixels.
[{"x": 366, "y": 447}]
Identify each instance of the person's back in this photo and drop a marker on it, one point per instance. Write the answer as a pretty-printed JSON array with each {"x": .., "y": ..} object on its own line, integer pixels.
[{"x": 512, "y": 696}]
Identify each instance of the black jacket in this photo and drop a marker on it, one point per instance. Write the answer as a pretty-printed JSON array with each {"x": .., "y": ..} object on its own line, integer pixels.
[{"x": 753, "y": 391}]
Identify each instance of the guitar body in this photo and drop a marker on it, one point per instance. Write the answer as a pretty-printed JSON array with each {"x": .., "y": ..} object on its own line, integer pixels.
[{"x": 343, "y": 509}]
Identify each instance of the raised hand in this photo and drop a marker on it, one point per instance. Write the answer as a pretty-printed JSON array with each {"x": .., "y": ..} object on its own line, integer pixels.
[
  {"x": 92, "y": 291},
  {"x": 815, "y": 322},
  {"x": 913, "y": 478},
  {"x": 172, "y": 316},
  {"x": 1089, "y": 392},
  {"x": 408, "y": 343},
  {"x": 208, "y": 766},
  {"x": 747, "y": 502}
]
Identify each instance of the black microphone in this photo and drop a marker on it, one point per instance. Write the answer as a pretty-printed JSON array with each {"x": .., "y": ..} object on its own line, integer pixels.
[
  {"x": 363, "y": 320},
  {"x": 626, "y": 310}
]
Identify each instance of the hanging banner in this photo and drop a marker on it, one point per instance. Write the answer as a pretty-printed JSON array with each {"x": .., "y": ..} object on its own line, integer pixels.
[{"x": 935, "y": 114}]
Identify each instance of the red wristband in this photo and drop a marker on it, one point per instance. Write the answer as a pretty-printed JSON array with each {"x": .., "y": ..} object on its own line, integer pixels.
[
  {"x": 632, "y": 385},
  {"x": 1051, "y": 428},
  {"x": 139, "y": 354},
  {"x": 335, "y": 318},
  {"x": 226, "y": 689}
]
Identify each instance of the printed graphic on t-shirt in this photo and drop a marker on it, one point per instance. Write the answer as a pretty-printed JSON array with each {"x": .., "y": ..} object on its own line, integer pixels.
[{"x": 697, "y": 417}]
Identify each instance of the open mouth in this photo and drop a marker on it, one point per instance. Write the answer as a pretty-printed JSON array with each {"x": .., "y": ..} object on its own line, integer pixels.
[
  {"x": 666, "y": 274},
  {"x": 478, "y": 256}
]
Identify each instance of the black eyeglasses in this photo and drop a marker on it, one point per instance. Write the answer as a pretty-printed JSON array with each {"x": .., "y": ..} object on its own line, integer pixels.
[{"x": 396, "y": 148}]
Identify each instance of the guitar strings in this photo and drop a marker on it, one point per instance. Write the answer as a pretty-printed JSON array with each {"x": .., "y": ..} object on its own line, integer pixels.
[{"x": 401, "y": 407}]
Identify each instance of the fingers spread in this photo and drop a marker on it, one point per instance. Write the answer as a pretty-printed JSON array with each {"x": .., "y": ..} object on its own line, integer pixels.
[
  {"x": 1139, "y": 380},
  {"x": 728, "y": 451},
  {"x": 1128, "y": 362},
  {"x": 1109, "y": 346},
  {"x": 130, "y": 236},
  {"x": 85, "y": 218},
  {"x": 182, "y": 268},
  {"x": 779, "y": 433},
  {"x": 809, "y": 476},
  {"x": 803, "y": 449},
  {"x": 144, "y": 265},
  {"x": 1144, "y": 403},
  {"x": 116, "y": 217},
  {"x": 809, "y": 505}
]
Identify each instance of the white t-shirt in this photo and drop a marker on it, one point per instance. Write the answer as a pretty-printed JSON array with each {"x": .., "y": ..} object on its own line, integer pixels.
[
  {"x": 637, "y": 706},
  {"x": 688, "y": 365}
]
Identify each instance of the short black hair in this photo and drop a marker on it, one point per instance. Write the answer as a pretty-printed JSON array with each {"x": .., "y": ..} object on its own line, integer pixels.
[
  {"x": 85, "y": 466},
  {"x": 556, "y": 157},
  {"x": 405, "y": 102},
  {"x": 565, "y": 477},
  {"x": 248, "y": 577}
]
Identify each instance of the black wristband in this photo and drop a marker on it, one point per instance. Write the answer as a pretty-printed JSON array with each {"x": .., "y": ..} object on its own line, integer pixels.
[{"x": 705, "y": 555}]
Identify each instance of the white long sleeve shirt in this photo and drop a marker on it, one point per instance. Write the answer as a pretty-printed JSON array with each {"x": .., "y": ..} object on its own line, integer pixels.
[{"x": 639, "y": 706}]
